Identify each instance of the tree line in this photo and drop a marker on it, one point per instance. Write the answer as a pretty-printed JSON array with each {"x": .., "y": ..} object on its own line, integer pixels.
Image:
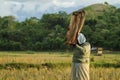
[{"x": 49, "y": 32}]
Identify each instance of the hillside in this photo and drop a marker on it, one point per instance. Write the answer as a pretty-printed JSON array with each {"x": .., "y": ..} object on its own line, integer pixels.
[{"x": 95, "y": 10}]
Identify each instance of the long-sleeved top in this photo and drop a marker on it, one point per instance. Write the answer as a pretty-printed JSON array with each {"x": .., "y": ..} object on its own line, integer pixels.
[{"x": 82, "y": 53}]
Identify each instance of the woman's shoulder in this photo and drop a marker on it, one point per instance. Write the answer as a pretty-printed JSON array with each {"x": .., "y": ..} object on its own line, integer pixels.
[{"x": 86, "y": 43}]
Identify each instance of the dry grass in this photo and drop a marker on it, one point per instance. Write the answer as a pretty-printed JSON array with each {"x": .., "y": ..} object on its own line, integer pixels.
[
  {"x": 57, "y": 73},
  {"x": 35, "y": 58}
]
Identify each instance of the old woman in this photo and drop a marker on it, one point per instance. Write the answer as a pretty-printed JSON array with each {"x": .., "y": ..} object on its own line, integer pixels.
[{"x": 80, "y": 61}]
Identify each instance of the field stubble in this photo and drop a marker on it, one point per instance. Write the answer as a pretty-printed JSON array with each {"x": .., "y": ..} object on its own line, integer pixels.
[{"x": 54, "y": 73}]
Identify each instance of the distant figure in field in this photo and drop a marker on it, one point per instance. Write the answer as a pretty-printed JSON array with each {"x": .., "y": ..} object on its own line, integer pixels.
[{"x": 80, "y": 62}]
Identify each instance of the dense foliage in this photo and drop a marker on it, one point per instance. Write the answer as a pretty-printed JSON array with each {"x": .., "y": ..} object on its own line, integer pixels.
[{"x": 48, "y": 33}]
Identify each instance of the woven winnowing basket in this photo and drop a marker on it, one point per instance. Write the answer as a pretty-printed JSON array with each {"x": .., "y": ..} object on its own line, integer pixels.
[{"x": 75, "y": 26}]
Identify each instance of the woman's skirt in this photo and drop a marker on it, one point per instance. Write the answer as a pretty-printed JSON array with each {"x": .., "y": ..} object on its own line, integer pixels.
[{"x": 80, "y": 71}]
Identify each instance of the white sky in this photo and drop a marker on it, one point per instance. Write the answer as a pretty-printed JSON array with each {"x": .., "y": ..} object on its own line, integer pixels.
[{"x": 15, "y": 7}]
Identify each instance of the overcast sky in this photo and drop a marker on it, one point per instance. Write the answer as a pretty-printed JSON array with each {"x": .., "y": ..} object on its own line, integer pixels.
[{"x": 22, "y": 9}]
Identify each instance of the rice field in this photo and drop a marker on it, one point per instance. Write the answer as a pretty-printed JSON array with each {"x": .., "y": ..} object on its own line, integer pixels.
[{"x": 54, "y": 66}]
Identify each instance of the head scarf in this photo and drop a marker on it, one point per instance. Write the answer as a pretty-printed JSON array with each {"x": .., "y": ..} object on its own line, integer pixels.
[{"x": 81, "y": 38}]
